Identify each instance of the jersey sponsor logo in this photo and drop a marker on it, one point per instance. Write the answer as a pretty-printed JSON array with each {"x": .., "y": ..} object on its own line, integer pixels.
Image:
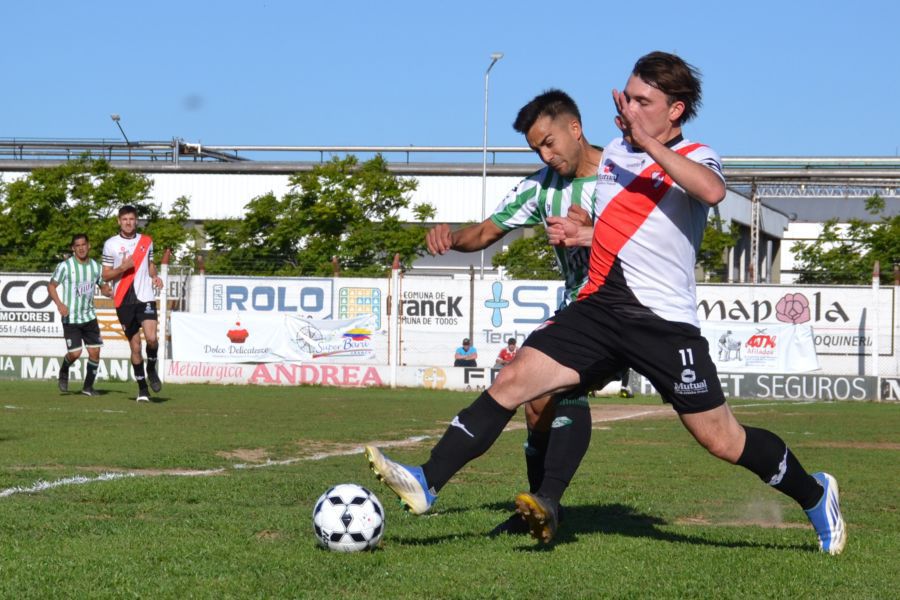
[
  {"x": 607, "y": 174},
  {"x": 782, "y": 469}
]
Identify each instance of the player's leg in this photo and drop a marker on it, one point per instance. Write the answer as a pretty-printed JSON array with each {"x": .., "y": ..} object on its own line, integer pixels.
[
  {"x": 72, "y": 335},
  {"x": 93, "y": 342},
  {"x": 767, "y": 455},
  {"x": 131, "y": 326},
  {"x": 532, "y": 374},
  {"x": 149, "y": 325},
  {"x": 538, "y": 418},
  {"x": 570, "y": 437},
  {"x": 625, "y": 387},
  {"x": 677, "y": 362}
]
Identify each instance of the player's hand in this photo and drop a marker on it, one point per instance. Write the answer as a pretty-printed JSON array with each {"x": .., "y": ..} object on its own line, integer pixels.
[
  {"x": 157, "y": 283},
  {"x": 439, "y": 239},
  {"x": 106, "y": 291},
  {"x": 562, "y": 231},
  {"x": 579, "y": 216},
  {"x": 628, "y": 120},
  {"x": 127, "y": 262},
  {"x": 63, "y": 310}
]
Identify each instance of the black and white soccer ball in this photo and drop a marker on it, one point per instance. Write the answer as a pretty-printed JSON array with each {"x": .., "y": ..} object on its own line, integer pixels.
[{"x": 348, "y": 518}]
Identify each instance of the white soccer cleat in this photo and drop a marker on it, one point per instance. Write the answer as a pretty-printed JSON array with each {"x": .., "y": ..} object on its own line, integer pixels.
[
  {"x": 407, "y": 482},
  {"x": 826, "y": 516}
]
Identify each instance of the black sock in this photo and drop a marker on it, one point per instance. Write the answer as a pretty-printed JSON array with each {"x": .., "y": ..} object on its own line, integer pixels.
[
  {"x": 469, "y": 436},
  {"x": 139, "y": 375},
  {"x": 570, "y": 436},
  {"x": 66, "y": 363},
  {"x": 626, "y": 375},
  {"x": 91, "y": 374},
  {"x": 152, "y": 351},
  {"x": 768, "y": 456},
  {"x": 535, "y": 454}
]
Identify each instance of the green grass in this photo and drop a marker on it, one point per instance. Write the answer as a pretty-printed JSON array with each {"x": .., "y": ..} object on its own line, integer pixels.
[{"x": 648, "y": 515}]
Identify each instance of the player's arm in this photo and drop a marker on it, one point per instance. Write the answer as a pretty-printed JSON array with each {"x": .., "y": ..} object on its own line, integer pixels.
[
  {"x": 54, "y": 295},
  {"x": 110, "y": 272},
  {"x": 468, "y": 239},
  {"x": 698, "y": 180}
]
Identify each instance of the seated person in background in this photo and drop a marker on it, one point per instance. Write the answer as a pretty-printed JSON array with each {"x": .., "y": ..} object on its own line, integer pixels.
[
  {"x": 506, "y": 354},
  {"x": 466, "y": 355}
]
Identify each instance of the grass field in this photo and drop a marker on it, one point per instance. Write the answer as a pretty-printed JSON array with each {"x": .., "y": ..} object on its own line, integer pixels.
[{"x": 214, "y": 489}]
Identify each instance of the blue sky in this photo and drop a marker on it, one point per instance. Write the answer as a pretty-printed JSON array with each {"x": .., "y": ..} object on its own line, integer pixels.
[{"x": 780, "y": 78}]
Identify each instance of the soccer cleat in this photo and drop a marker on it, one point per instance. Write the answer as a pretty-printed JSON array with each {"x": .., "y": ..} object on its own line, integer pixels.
[
  {"x": 514, "y": 525},
  {"x": 540, "y": 514},
  {"x": 826, "y": 516},
  {"x": 143, "y": 395},
  {"x": 153, "y": 378},
  {"x": 626, "y": 392},
  {"x": 407, "y": 482},
  {"x": 63, "y": 381},
  {"x": 89, "y": 391}
]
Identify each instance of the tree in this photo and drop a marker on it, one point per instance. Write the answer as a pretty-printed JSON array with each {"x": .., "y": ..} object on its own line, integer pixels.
[
  {"x": 530, "y": 257},
  {"x": 713, "y": 254},
  {"x": 40, "y": 213},
  {"x": 340, "y": 209},
  {"x": 846, "y": 254}
]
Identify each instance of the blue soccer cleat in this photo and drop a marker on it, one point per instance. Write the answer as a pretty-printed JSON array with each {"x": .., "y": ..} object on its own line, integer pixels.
[
  {"x": 407, "y": 482},
  {"x": 826, "y": 516}
]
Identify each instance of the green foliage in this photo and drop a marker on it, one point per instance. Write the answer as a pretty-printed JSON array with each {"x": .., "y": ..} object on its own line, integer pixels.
[
  {"x": 713, "y": 255},
  {"x": 847, "y": 254},
  {"x": 40, "y": 213},
  {"x": 529, "y": 258},
  {"x": 340, "y": 209}
]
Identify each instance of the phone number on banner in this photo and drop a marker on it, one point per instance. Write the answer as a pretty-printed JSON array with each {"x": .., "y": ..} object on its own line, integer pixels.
[{"x": 30, "y": 330}]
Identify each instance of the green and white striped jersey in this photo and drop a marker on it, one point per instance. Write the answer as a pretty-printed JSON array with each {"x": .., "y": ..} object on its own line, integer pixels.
[
  {"x": 77, "y": 282},
  {"x": 548, "y": 194}
]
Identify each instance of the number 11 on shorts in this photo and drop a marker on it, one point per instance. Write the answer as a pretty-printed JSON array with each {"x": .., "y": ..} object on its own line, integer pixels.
[{"x": 687, "y": 356}]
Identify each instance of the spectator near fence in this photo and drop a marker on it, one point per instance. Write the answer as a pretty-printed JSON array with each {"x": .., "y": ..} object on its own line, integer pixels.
[{"x": 466, "y": 355}]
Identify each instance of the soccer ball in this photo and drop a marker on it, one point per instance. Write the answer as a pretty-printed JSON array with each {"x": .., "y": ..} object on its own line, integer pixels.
[{"x": 348, "y": 518}]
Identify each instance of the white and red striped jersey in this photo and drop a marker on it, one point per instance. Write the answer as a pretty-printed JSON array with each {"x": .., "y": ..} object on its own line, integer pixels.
[
  {"x": 647, "y": 234},
  {"x": 115, "y": 249}
]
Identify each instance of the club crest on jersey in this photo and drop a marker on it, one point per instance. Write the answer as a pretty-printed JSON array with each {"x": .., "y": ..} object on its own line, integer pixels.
[
  {"x": 607, "y": 174},
  {"x": 657, "y": 177}
]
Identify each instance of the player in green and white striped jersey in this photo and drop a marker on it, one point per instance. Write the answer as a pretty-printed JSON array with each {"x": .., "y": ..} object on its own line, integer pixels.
[
  {"x": 551, "y": 123},
  {"x": 72, "y": 289}
]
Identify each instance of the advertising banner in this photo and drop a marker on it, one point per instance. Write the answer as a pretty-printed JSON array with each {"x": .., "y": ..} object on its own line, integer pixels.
[
  {"x": 26, "y": 309},
  {"x": 307, "y": 297},
  {"x": 769, "y": 347},
  {"x": 841, "y": 317},
  {"x": 253, "y": 337}
]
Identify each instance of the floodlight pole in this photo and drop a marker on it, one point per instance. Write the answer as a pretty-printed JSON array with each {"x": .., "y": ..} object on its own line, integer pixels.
[
  {"x": 494, "y": 58},
  {"x": 116, "y": 119}
]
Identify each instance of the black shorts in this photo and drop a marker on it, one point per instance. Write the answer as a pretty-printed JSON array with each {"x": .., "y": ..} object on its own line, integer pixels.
[
  {"x": 132, "y": 316},
  {"x": 78, "y": 334},
  {"x": 598, "y": 342}
]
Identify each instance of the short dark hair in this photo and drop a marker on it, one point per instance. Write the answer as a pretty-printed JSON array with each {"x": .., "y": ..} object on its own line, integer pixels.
[
  {"x": 511, "y": 341},
  {"x": 128, "y": 209},
  {"x": 78, "y": 236},
  {"x": 674, "y": 77},
  {"x": 550, "y": 103}
]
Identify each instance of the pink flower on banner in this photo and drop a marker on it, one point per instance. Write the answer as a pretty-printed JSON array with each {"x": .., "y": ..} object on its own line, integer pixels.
[{"x": 793, "y": 308}]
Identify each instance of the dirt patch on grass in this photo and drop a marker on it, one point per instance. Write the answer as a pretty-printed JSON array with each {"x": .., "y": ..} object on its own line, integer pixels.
[
  {"x": 706, "y": 522},
  {"x": 251, "y": 455},
  {"x": 855, "y": 445}
]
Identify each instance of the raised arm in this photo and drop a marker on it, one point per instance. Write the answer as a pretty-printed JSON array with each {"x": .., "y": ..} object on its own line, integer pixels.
[{"x": 440, "y": 239}]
